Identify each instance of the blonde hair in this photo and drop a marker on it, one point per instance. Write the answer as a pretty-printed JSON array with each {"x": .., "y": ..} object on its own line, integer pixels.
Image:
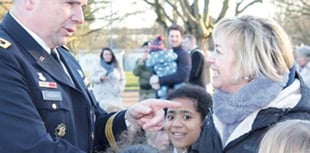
[
  {"x": 290, "y": 136},
  {"x": 260, "y": 46}
]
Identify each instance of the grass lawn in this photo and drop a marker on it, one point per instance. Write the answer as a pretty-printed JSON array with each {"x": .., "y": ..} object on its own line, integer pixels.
[{"x": 131, "y": 81}]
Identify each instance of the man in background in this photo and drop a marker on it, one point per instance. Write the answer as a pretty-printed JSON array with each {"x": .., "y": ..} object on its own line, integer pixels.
[
  {"x": 144, "y": 73},
  {"x": 196, "y": 76},
  {"x": 175, "y": 38}
]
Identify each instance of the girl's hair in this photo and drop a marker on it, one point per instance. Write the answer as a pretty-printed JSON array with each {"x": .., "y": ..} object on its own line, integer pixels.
[
  {"x": 290, "y": 136},
  {"x": 114, "y": 59},
  {"x": 201, "y": 98},
  {"x": 262, "y": 46}
]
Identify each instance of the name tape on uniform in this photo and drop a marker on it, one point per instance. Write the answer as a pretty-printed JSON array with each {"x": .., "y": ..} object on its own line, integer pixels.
[{"x": 52, "y": 95}]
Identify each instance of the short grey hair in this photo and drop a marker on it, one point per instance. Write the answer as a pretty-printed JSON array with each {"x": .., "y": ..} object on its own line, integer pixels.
[{"x": 303, "y": 51}]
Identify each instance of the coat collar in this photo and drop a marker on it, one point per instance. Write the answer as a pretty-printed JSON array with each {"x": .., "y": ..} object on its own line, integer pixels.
[{"x": 286, "y": 100}]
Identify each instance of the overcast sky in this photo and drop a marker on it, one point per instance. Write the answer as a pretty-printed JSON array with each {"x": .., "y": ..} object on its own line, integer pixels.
[{"x": 147, "y": 18}]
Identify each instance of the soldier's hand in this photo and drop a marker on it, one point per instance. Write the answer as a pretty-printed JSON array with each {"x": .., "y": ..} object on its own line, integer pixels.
[{"x": 149, "y": 113}]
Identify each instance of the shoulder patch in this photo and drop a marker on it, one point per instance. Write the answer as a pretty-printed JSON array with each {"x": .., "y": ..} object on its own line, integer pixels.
[{"x": 4, "y": 43}]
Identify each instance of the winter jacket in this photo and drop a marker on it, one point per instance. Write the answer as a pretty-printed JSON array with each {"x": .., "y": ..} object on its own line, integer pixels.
[{"x": 252, "y": 129}]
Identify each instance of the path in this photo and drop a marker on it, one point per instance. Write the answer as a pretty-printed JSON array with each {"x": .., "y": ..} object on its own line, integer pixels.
[{"x": 130, "y": 97}]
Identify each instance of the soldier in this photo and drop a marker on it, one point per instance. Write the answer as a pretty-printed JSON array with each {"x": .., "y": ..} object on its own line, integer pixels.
[{"x": 45, "y": 102}]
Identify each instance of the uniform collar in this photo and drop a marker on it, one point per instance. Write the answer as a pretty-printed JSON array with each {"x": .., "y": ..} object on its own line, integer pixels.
[{"x": 32, "y": 34}]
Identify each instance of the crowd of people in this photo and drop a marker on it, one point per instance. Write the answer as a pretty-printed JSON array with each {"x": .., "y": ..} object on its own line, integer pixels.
[{"x": 260, "y": 103}]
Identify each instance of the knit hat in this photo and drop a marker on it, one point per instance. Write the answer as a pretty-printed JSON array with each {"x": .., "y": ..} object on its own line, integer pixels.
[{"x": 157, "y": 44}]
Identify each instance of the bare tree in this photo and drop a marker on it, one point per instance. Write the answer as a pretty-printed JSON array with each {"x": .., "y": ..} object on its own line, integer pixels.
[
  {"x": 5, "y": 5},
  {"x": 294, "y": 15},
  {"x": 197, "y": 20}
]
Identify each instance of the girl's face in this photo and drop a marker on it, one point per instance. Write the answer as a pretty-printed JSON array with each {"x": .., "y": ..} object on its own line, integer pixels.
[
  {"x": 107, "y": 56},
  {"x": 222, "y": 66},
  {"x": 183, "y": 124}
]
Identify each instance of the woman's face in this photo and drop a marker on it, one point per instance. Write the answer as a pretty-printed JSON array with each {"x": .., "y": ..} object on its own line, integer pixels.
[
  {"x": 183, "y": 124},
  {"x": 222, "y": 65},
  {"x": 107, "y": 56}
]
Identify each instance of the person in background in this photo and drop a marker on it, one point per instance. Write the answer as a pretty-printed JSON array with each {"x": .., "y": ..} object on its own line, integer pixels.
[
  {"x": 144, "y": 73},
  {"x": 256, "y": 85},
  {"x": 162, "y": 63},
  {"x": 175, "y": 34},
  {"x": 140, "y": 148},
  {"x": 46, "y": 103},
  {"x": 290, "y": 136},
  {"x": 198, "y": 69},
  {"x": 184, "y": 123},
  {"x": 302, "y": 56},
  {"x": 108, "y": 79}
]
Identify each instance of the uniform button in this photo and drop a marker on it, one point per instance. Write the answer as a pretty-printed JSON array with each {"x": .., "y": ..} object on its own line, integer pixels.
[{"x": 54, "y": 106}]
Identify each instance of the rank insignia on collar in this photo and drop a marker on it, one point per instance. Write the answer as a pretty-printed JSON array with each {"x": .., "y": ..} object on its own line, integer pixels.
[
  {"x": 60, "y": 130},
  {"x": 4, "y": 43}
]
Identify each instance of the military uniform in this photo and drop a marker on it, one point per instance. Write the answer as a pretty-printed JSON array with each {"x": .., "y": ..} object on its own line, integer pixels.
[{"x": 42, "y": 109}]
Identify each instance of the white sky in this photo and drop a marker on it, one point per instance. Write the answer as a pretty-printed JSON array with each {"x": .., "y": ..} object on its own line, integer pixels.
[{"x": 147, "y": 19}]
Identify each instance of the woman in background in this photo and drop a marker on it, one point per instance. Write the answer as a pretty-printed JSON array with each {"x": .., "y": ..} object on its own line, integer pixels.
[{"x": 108, "y": 80}]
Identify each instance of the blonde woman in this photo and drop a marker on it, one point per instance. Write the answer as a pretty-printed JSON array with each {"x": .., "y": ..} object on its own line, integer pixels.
[
  {"x": 290, "y": 136},
  {"x": 256, "y": 85}
]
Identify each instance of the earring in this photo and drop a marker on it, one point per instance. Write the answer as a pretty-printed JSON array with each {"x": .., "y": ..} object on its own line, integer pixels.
[{"x": 246, "y": 78}]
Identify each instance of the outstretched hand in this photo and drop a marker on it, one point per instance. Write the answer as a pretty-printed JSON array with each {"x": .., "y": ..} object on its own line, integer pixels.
[{"x": 149, "y": 113}]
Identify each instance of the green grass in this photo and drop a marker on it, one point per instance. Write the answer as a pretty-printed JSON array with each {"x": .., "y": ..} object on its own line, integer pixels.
[{"x": 131, "y": 81}]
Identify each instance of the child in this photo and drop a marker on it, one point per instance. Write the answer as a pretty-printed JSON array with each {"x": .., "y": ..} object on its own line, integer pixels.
[
  {"x": 183, "y": 124},
  {"x": 290, "y": 136},
  {"x": 162, "y": 62}
]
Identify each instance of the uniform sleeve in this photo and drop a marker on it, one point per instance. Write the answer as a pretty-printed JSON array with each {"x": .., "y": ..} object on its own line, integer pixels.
[
  {"x": 108, "y": 128},
  {"x": 22, "y": 129}
]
